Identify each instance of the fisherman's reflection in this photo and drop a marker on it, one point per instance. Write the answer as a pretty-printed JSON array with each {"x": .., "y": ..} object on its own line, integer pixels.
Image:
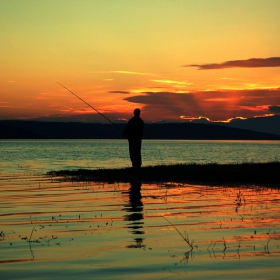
[{"x": 135, "y": 216}]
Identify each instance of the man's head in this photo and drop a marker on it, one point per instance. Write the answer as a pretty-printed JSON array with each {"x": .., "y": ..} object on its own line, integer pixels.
[{"x": 137, "y": 112}]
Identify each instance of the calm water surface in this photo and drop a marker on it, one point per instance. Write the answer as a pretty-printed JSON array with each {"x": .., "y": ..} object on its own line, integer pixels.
[
  {"x": 50, "y": 229},
  {"x": 60, "y": 154}
]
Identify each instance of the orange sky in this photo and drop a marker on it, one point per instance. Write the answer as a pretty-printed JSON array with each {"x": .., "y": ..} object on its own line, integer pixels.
[{"x": 173, "y": 59}]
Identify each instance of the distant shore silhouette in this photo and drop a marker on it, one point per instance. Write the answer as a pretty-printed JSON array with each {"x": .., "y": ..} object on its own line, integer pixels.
[{"x": 77, "y": 130}]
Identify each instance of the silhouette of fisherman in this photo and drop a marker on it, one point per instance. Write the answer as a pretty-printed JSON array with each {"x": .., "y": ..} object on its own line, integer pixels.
[{"x": 134, "y": 133}]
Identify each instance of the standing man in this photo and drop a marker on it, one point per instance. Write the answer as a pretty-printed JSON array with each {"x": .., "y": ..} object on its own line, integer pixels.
[{"x": 134, "y": 133}]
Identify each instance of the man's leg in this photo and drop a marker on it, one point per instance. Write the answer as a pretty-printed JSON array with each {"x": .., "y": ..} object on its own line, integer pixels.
[
  {"x": 136, "y": 154},
  {"x": 131, "y": 152}
]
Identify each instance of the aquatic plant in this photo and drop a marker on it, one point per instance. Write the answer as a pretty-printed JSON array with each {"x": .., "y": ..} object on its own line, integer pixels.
[{"x": 185, "y": 238}]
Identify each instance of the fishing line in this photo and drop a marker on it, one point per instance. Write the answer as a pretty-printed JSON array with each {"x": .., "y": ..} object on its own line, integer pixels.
[{"x": 90, "y": 106}]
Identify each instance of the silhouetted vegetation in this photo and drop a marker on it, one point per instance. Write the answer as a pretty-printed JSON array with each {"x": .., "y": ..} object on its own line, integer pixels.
[{"x": 243, "y": 173}]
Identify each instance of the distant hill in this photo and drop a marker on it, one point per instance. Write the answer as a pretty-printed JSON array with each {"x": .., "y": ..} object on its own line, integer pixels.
[
  {"x": 203, "y": 132},
  {"x": 75, "y": 130},
  {"x": 260, "y": 124},
  {"x": 10, "y": 132}
]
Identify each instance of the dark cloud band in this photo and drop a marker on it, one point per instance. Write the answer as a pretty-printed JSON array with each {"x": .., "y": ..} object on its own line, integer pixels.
[
  {"x": 215, "y": 105},
  {"x": 119, "y": 91},
  {"x": 274, "y": 109},
  {"x": 249, "y": 63}
]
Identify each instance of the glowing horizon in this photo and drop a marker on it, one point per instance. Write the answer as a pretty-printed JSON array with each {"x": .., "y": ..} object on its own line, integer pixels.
[{"x": 175, "y": 60}]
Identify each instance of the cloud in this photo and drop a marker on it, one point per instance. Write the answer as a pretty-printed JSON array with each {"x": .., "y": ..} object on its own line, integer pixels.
[
  {"x": 119, "y": 91},
  {"x": 274, "y": 109},
  {"x": 249, "y": 63},
  {"x": 167, "y": 105},
  {"x": 195, "y": 120},
  {"x": 130, "y": 73},
  {"x": 172, "y": 82},
  {"x": 123, "y": 72},
  {"x": 220, "y": 105},
  {"x": 7, "y": 105}
]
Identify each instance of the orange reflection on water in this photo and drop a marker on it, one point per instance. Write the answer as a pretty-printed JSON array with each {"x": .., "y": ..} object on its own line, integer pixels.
[{"x": 158, "y": 228}]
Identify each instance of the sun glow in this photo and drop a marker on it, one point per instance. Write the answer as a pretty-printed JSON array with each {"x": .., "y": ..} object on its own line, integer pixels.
[
  {"x": 189, "y": 118},
  {"x": 229, "y": 120}
]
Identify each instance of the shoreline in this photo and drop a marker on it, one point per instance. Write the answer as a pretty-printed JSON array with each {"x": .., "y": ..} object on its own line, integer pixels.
[{"x": 237, "y": 173}]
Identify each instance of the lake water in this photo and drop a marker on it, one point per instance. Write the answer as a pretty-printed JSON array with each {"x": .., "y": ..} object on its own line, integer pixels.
[
  {"x": 52, "y": 229},
  {"x": 45, "y": 155}
]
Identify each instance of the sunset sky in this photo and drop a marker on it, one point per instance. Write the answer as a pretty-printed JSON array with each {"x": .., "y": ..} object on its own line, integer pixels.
[{"x": 174, "y": 59}]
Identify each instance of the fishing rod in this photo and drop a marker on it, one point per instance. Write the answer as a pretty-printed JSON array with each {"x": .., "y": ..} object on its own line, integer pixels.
[{"x": 90, "y": 106}]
